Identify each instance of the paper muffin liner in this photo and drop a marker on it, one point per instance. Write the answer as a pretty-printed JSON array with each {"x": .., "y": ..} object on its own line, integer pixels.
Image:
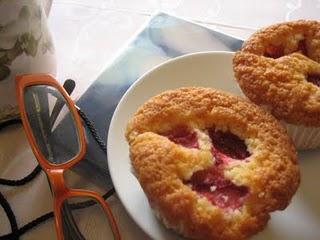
[{"x": 303, "y": 137}]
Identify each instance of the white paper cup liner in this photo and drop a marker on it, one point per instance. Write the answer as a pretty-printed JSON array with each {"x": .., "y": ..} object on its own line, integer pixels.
[{"x": 303, "y": 137}]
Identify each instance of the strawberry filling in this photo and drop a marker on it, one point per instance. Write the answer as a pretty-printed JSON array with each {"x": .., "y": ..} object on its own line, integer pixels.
[
  {"x": 302, "y": 47},
  {"x": 211, "y": 182},
  {"x": 221, "y": 192},
  {"x": 314, "y": 78},
  {"x": 274, "y": 51},
  {"x": 226, "y": 145},
  {"x": 184, "y": 136}
]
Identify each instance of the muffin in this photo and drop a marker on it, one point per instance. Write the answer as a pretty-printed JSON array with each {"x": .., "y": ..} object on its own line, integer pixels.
[
  {"x": 278, "y": 68},
  {"x": 212, "y": 165}
]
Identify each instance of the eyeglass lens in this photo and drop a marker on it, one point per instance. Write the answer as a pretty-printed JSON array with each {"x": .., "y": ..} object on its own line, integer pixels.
[
  {"x": 84, "y": 221},
  {"x": 52, "y": 123}
]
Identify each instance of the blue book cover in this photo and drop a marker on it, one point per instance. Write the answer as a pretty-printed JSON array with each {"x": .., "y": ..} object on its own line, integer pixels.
[{"x": 162, "y": 38}]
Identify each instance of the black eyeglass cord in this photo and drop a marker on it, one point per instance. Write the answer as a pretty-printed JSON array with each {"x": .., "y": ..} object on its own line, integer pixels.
[
  {"x": 17, "y": 232},
  {"x": 22, "y": 181},
  {"x": 92, "y": 130}
]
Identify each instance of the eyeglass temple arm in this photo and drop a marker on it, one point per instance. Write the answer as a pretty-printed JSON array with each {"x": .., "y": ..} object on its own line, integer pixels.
[{"x": 69, "y": 86}]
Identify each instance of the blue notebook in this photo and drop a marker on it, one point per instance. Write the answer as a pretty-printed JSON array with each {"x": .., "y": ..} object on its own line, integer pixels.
[{"x": 163, "y": 37}]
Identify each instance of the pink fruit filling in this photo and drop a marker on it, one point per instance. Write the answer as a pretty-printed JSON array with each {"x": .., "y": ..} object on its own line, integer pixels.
[
  {"x": 302, "y": 47},
  {"x": 274, "y": 51},
  {"x": 221, "y": 192},
  {"x": 184, "y": 136},
  {"x": 226, "y": 145},
  {"x": 211, "y": 182},
  {"x": 314, "y": 78}
]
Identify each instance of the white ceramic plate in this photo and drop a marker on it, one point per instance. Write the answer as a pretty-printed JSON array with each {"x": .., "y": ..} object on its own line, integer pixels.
[{"x": 301, "y": 220}]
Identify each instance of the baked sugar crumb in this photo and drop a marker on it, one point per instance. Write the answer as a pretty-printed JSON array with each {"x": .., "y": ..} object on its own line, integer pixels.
[
  {"x": 203, "y": 139},
  {"x": 213, "y": 188},
  {"x": 261, "y": 195},
  {"x": 225, "y": 198}
]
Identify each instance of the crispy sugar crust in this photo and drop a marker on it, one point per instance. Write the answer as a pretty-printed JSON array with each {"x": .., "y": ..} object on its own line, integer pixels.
[
  {"x": 280, "y": 83},
  {"x": 161, "y": 166}
]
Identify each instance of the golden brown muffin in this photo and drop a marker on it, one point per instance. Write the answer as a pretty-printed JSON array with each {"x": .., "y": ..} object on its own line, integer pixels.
[
  {"x": 213, "y": 166},
  {"x": 278, "y": 68}
]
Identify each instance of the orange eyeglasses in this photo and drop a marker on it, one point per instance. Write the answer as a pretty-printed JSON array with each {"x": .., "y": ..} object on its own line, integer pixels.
[{"x": 58, "y": 142}]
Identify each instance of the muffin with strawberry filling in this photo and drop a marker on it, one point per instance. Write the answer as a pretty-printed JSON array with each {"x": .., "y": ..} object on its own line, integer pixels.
[
  {"x": 212, "y": 165},
  {"x": 278, "y": 68}
]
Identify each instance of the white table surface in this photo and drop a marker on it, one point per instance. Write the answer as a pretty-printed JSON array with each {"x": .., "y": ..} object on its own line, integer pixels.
[{"x": 87, "y": 35}]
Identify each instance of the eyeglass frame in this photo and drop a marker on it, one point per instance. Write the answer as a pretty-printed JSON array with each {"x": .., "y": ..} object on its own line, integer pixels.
[{"x": 55, "y": 171}]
